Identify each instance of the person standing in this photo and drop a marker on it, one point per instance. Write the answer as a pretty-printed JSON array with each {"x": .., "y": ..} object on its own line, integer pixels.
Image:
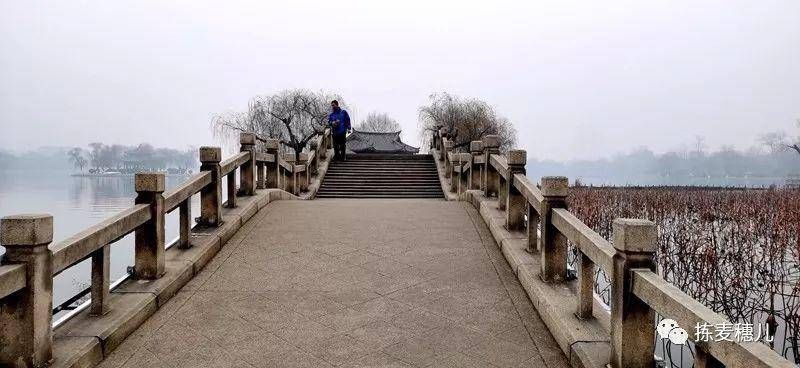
[{"x": 339, "y": 121}]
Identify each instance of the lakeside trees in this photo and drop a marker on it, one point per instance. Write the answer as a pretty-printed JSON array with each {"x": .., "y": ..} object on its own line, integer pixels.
[
  {"x": 378, "y": 122},
  {"x": 466, "y": 120},
  {"x": 144, "y": 156},
  {"x": 293, "y": 116}
]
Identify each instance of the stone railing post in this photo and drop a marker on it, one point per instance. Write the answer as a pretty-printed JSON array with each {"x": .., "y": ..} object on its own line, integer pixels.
[
  {"x": 323, "y": 144},
  {"x": 211, "y": 195},
  {"x": 442, "y": 140},
  {"x": 247, "y": 177},
  {"x": 149, "y": 250},
  {"x": 303, "y": 177},
  {"x": 475, "y": 172},
  {"x": 516, "y": 203},
  {"x": 454, "y": 176},
  {"x": 553, "y": 244},
  {"x": 271, "y": 145},
  {"x": 632, "y": 320},
  {"x": 491, "y": 146},
  {"x": 448, "y": 166},
  {"x": 26, "y": 337},
  {"x": 314, "y": 160}
]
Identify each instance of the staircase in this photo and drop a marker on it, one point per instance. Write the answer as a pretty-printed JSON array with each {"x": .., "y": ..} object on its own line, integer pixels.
[{"x": 382, "y": 176}]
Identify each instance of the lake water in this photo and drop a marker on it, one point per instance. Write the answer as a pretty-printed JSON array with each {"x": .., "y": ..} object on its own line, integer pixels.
[{"x": 77, "y": 203}]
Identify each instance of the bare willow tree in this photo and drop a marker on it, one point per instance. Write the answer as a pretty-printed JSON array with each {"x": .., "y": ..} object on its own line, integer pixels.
[
  {"x": 378, "y": 122},
  {"x": 779, "y": 141},
  {"x": 465, "y": 120},
  {"x": 795, "y": 144},
  {"x": 294, "y": 117}
]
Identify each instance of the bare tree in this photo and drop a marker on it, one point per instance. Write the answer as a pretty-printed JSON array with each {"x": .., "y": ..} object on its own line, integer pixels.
[
  {"x": 292, "y": 116},
  {"x": 466, "y": 120},
  {"x": 779, "y": 141},
  {"x": 378, "y": 122},
  {"x": 76, "y": 158},
  {"x": 795, "y": 144}
]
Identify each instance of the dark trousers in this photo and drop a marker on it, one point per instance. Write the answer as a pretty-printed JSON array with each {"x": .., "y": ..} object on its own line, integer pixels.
[{"x": 339, "y": 146}]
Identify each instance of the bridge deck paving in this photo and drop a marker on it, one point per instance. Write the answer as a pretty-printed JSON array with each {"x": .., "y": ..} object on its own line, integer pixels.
[{"x": 350, "y": 283}]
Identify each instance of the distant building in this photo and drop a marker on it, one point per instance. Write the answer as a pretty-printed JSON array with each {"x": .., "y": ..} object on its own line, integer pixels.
[{"x": 368, "y": 142}]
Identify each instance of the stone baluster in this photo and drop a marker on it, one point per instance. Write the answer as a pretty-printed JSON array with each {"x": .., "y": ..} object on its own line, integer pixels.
[
  {"x": 100, "y": 288},
  {"x": 442, "y": 140},
  {"x": 323, "y": 145},
  {"x": 491, "y": 146},
  {"x": 553, "y": 244},
  {"x": 247, "y": 170},
  {"x": 314, "y": 166},
  {"x": 632, "y": 320},
  {"x": 211, "y": 195},
  {"x": 261, "y": 178},
  {"x": 502, "y": 190},
  {"x": 26, "y": 316},
  {"x": 271, "y": 145},
  {"x": 533, "y": 230},
  {"x": 516, "y": 203},
  {"x": 454, "y": 176},
  {"x": 302, "y": 177},
  {"x": 231, "y": 181},
  {"x": 448, "y": 166},
  {"x": 585, "y": 286},
  {"x": 185, "y": 219},
  {"x": 149, "y": 249},
  {"x": 476, "y": 148}
]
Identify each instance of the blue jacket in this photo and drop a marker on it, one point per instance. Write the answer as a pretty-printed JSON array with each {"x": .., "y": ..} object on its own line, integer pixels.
[{"x": 339, "y": 121}]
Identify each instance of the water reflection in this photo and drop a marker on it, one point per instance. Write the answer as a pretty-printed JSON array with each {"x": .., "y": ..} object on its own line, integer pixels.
[{"x": 77, "y": 203}]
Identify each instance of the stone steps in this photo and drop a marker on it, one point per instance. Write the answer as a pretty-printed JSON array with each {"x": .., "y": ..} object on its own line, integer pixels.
[{"x": 382, "y": 176}]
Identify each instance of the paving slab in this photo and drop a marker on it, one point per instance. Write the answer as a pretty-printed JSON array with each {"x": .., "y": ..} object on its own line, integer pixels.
[{"x": 350, "y": 283}]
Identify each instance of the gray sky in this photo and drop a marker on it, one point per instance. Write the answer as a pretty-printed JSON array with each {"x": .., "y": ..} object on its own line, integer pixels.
[{"x": 579, "y": 79}]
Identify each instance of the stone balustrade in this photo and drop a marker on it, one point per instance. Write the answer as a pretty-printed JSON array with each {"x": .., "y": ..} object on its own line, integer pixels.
[
  {"x": 30, "y": 262},
  {"x": 532, "y": 225}
]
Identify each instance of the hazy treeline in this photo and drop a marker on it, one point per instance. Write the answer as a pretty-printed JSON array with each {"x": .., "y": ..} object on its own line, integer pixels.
[
  {"x": 143, "y": 156},
  {"x": 102, "y": 157},
  {"x": 727, "y": 162}
]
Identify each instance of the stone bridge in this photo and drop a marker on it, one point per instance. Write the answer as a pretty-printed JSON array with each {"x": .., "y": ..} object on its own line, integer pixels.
[{"x": 270, "y": 277}]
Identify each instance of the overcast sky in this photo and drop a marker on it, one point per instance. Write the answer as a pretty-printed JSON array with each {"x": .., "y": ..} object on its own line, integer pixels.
[{"x": 578, "y": 79}]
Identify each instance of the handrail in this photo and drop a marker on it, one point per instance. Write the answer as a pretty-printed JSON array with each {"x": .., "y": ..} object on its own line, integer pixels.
[
  {"x": 597, "y": 248},
  {"x": 265, "y": 157},
  {"x": 12, "y": 279},
  {"x": 81, "y": 245},
  {"x": 286, "y": 165},
  {"x": 500, "y": 164},
  {"x": 174, "y": 197},
  {"x": 668, "y": 300},
  {"x": 529, "y": 190},
  {"x": 232, "y": 163}
]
